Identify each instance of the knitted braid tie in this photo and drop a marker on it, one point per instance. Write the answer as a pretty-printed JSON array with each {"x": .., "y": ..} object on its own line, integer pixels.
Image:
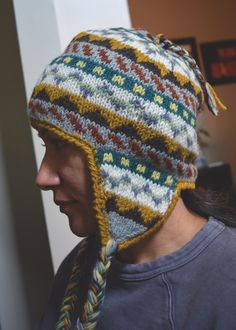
[
  {"x": 213, "y": 102},
  {"x": 97, "y": 287},
  {"x": 71, "y": 295}
]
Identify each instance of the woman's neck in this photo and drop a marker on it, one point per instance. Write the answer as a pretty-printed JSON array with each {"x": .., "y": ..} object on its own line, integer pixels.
[{"x": 178, "y": 229}]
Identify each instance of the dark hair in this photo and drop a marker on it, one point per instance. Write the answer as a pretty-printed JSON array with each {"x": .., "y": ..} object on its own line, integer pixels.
[{"x": 208, "y": 203}]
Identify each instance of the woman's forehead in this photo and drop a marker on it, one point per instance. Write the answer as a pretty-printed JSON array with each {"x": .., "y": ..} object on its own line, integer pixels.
[{"x": 46, "y": 134}]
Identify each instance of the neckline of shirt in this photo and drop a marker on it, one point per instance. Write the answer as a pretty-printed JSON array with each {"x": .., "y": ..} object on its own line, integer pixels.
[{"x": 136, "y": 272}]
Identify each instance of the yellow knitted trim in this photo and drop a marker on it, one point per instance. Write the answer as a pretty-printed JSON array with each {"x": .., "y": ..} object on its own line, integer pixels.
[
  {"x": 142, "y": 58},
  {"x": 123, "y": 204},
  {"x": 99, "y": 193},
  {"x": 180, "y": 186},
  {"x": 113, "y": 119}
]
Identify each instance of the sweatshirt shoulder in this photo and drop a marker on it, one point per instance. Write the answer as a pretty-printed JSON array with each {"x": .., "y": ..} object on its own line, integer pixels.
[
  {"x": 226, "y": 244},
  {"x": 229, "y": 236}
]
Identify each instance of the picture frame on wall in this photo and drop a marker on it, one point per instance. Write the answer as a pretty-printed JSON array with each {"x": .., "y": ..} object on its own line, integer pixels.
[
  {"x": 219, "y": 59},
  {"x": 190, "y": 45}
]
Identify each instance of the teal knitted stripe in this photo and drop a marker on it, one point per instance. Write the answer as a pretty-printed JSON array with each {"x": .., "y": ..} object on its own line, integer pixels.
[
  {"x": 128, "y": 85},
  {"x": 137, "y": 167}
]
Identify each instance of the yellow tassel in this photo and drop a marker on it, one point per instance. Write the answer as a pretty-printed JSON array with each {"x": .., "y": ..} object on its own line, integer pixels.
[
  {"x": 158, "y": 38},
  {"x": 218, "y": 101}
]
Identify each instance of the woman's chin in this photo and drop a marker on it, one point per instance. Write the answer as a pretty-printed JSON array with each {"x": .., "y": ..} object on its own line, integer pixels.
[{"x": 79, "y": 228}]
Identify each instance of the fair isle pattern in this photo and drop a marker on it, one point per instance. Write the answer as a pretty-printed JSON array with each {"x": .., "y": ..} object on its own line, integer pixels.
[
  {"x": 126, "y": 70},
  {"x": 137, "y": 188},
  {"x": 122, "y": 227},
  {"x": 163, "y": 115},
  {"x": 125, "y": 62},
  {"x": 98, "y": 135},
  {"x": 136, "y": 166},
  {"x": 114, "y": 83},
  {"x": 113, "y": 121},
  {"x": 147, "y": 46},
  {"x": 136, "y": 112}
]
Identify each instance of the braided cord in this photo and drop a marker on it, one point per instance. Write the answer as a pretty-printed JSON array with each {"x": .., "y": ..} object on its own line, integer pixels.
[
  {"x": 97, "y": 287},
  {"x": 212, "y": 100},
  {"x": 71, "y": 294},
  {"x": 169, "y": 45}
]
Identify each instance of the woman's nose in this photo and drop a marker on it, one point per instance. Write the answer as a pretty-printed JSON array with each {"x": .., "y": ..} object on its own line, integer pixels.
[{"x": 47, "y": 176}]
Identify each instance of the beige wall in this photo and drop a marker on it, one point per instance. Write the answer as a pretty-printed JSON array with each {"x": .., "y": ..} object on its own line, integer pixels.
[{"x": 206, "y": 20}]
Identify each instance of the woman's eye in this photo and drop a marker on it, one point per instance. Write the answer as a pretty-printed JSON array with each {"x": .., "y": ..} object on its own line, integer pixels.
[
  {"x": 53, "y": 142},
  {"x": 58, "y": 144}
]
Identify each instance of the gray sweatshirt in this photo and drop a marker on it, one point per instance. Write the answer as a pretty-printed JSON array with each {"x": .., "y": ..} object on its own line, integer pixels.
[{"x": 193, "y": 288}]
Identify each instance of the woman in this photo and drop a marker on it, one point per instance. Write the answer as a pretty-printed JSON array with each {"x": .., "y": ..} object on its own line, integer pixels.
[{"x": 117, "y": 112}]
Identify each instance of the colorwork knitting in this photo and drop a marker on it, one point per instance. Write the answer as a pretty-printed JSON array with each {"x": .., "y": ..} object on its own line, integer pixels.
[{"x": 130, "y": 101}]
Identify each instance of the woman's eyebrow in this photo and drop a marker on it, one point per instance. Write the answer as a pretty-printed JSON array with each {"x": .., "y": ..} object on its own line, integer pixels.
[{"x": 45, "y": 134}]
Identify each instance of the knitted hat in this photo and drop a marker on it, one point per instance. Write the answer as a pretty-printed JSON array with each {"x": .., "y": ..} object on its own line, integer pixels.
[{"x": 130, "y": 101}]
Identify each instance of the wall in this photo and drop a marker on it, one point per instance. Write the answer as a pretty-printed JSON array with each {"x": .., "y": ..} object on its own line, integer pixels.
[
  {"x": 209, "y": 20},
  {"x": 25, "y": 263},
  {"x": 11, "y": 281},
  {"x": 39, "y": 42}
]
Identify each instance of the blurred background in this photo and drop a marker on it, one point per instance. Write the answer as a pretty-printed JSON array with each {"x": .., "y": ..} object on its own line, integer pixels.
[{"x": 34, "y": 236}]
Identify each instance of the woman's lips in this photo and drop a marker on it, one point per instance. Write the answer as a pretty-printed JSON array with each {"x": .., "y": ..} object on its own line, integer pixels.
[
  {"x": 64, "y": 205},
  {"x": 64, "y": 208}
]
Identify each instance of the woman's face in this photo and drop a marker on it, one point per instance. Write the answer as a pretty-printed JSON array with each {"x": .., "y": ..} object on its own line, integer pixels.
[{"x": 64, "y": 170}]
